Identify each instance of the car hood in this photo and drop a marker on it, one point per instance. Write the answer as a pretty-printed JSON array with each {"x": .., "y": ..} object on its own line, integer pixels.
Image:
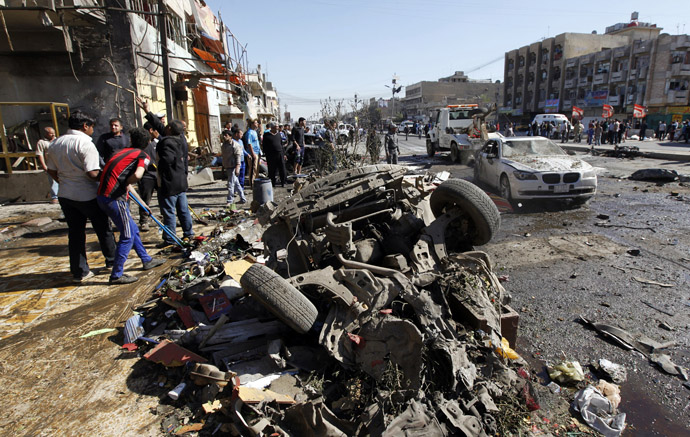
[{"x": 548, "y": 163}]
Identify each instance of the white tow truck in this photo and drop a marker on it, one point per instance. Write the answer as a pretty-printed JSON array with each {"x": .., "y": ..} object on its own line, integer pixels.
[{"x": 459, "y": 129}]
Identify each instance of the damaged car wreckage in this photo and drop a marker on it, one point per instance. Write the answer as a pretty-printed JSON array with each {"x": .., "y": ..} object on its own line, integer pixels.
[{"x": 397, "y": 319}]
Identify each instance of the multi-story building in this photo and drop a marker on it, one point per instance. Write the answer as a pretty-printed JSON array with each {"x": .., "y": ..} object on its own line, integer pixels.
[
  {"x": 423, "y": 97},
  {"x": 100, "y": 55},
  {"x": 630, "y": 64}
]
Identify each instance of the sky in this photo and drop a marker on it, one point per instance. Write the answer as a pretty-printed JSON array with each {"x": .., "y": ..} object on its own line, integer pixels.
[{"x": 320, "y": 49}]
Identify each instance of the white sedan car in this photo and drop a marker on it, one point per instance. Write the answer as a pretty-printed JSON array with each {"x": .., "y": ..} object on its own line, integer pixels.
[{"x": 523, "y": 168}]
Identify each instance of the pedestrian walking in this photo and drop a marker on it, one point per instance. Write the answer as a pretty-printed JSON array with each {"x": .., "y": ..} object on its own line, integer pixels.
[
  {"x": 233, "y": 156},
  {"x": 598, "y": 129},
  {"x": 123, "y": 169},
  {"x": 73, "y": 161}
]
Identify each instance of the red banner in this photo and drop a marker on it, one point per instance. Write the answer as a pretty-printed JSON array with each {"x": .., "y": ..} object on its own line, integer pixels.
[
  {"x": 607, "y": 111},
  {"x": 639, "y": 111},
  {"x": 578, "y": 112}
]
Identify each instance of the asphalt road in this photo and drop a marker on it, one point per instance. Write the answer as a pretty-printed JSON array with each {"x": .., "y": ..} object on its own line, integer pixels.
[{"x": 561, "y": 262}]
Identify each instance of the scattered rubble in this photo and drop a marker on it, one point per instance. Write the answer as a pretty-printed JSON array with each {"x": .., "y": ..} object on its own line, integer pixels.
[{"x": 371, "y": 295}]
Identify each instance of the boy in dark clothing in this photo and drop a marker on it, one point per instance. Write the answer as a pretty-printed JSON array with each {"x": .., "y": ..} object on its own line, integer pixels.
[{"x": 124, "y": 168}]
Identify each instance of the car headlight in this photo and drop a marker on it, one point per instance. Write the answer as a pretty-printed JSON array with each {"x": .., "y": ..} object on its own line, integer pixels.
[
  {"x": 524, "y": 175},
  {"x": 589, "y": 174}
]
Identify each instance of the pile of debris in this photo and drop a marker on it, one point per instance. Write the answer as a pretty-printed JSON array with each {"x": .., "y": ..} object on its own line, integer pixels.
[{"x": 363, "y": 310}]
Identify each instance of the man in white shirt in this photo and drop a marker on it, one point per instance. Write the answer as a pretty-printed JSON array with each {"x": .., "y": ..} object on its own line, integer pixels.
[
  {"x": 41, "y": 147},
  {"x": 74, "y": 162}
]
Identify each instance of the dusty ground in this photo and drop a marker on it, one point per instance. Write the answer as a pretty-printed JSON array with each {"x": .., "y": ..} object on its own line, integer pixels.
[{"x": 559, "y": 265}]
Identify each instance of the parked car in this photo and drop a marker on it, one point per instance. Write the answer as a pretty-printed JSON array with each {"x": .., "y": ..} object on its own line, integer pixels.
[
  {"x": 523, "y": 168},
  {"x": 403, "y": 125}
]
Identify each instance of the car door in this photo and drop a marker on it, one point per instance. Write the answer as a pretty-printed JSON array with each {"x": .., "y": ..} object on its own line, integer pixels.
[
  {"x": 487, "y": 161},
  {"x": 492, "y": 171}
]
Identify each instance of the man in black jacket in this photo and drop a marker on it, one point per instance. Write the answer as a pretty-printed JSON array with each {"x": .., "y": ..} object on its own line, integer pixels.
[
  {"x": 275, "y": 158},
  {"x": 172, "y": 175}
]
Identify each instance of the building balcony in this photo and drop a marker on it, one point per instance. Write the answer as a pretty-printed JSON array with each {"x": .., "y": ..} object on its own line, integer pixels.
[
  {"x": 642, "y": 73},
  {"x": 680, "y": 69},
  {"x": 556, "y": 83},
  {"x": 642, "y": 47},
  {"x": 630, "y": 99},
  {"x": 572, "y": 62},
  {"x": 633, "y": 74},
  {"x": 569, "y": 83},
  {"x": 620, "y": 52},
  {"x": 587, "y": 59},
  {"x": 567, "y": 103},
  {"x": 614, "y": 100},
  {"x": 677, "y": 96},
  {"x": 541, "y": 103},
  {"x": 682, "y": 42},
  {"x": 583, "y": 81},
  {"x": 601, "y": 56},
  {"x": 600, "y": 78},
  {"x": 618, "y": 76}
]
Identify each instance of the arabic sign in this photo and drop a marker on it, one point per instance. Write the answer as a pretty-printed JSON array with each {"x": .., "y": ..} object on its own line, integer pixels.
[
  {"x": 551, "y": 105},
  {"x": 596, "y": 98}
]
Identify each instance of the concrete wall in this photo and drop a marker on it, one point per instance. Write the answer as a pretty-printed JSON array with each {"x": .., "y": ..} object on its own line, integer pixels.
[{"x": 28, "y": 186}]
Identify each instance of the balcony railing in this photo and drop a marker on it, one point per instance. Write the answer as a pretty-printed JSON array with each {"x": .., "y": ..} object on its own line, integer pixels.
[
  {"x": 583, "y": 81},
  {"x": 618, "y": 76},
  {"x": 614, "y": 100},
  {"x": 633, "y": 74},
  {"x": 621, "y": 51},
  {"x": 569, "y": 83},
  {"x": 600, "y": 78},
  {"x": 642, "y": 73},
  {"x": 630, "y": 99}
]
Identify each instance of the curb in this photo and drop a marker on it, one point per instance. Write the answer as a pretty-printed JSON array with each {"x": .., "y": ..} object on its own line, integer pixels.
[{"x": 681, "y": 157}]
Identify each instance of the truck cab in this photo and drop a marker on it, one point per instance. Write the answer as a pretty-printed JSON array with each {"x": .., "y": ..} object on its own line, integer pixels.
[{"x": 456, "y": 128}]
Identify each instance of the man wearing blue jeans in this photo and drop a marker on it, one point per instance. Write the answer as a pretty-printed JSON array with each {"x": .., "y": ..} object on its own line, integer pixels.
[
  {"x": 125, "y": 167},
  {"x": 172, "y": 181}
]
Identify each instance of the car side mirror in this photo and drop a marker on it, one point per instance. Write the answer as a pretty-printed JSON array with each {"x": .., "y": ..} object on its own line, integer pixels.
[{"x": 490, "y": 156}]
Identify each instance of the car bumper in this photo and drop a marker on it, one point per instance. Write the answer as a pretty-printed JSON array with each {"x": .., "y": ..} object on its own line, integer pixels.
[{"x": 531, "y": 189}]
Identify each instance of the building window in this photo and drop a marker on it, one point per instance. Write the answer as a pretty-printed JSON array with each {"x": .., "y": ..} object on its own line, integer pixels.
[
  {"x": 677, "y": 57},
  {"x": 521, "y": 79},
  {"x": 521, "y": 61},
  {"x": 556, "y": 73},
  {"x": 518, "y": 99},
  {"x": 532, "y": 59},
  {"x": 557, "y": 52},
  {"x": 175, "y": 30},
  {"x": 677, "y": 85},
  {"x": 581, "y": 93},
  {"x": 530, "y": 94},
  {"x": 509, "y": 100},
  {"x": 603, "y": 67},
  {"x": 553, "y": 95},
  {"x": 544, "y": 75},
  {"x": 542, "y": 95},
  {"x": 511, "y": 64},
  {"x": 146, "y": 6},
  {"x": 509, "y": 82},
  {"x": 544, "y": 56},
  {"x": 530, "y": 78}
]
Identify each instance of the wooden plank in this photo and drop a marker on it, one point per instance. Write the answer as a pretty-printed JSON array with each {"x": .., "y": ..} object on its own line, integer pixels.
[{"x": 255, "y": 395}]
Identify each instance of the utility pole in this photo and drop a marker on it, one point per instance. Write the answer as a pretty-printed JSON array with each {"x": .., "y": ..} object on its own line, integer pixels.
[{"x": 163, "y": 31}]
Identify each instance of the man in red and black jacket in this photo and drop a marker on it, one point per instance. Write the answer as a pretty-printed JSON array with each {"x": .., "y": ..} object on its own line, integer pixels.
[{"x": 124, "y": 168}]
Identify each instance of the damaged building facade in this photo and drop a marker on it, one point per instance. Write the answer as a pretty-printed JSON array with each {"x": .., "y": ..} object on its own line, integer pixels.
[{"x": 98, "y": 56}]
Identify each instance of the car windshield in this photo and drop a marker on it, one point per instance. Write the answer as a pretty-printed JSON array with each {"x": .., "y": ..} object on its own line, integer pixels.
[
  {"x": 460, "y": 114},
  {"x": 537, "y": 146}
]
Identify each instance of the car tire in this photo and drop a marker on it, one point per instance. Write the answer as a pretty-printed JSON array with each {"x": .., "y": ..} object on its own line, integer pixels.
[
  {"x": 504, "y": 188},
  {"x": 481, "y": 210},
  {"x": 430, "y": 149},
  {"x": 454, "y": 152},
  {"x": 287, "y": 303}
]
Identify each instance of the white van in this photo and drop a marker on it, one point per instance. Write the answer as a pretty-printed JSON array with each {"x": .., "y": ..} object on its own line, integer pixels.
[{"x": 556, "y": 118}]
